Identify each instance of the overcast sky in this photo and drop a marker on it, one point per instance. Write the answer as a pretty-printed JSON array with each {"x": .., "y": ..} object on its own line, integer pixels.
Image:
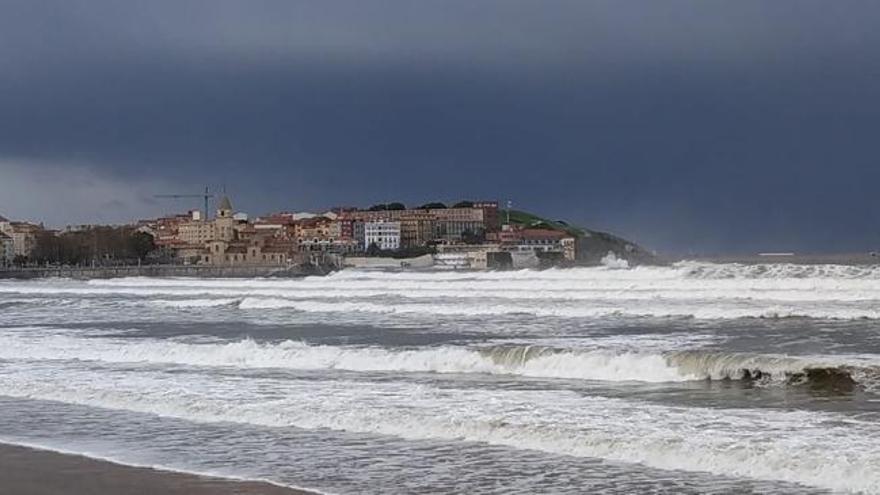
[{"x": 689, "y": 126}]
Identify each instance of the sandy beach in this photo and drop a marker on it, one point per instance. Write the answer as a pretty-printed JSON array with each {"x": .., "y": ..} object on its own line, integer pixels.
[{"x": 26, "y": 471}]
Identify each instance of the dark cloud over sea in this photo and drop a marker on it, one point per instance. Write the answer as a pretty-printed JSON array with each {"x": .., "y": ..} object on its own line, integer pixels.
[{"x": 686, "y": 125}]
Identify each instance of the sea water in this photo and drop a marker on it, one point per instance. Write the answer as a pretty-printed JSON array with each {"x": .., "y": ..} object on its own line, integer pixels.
[{"x": 692, "y": 378}]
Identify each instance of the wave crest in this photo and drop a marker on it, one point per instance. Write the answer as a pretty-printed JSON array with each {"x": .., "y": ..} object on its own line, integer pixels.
[
  {"x": 520, "y": 360},
  {"x": 700, "y": 270}
]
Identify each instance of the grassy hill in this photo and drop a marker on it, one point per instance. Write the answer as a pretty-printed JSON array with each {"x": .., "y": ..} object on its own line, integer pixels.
[
  {"x": 592, "y": 244},
  {"x": 527, "y": 219}
]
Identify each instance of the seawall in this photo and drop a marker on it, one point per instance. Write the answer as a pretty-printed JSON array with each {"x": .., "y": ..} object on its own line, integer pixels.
[{"x": 195, "y": 271}]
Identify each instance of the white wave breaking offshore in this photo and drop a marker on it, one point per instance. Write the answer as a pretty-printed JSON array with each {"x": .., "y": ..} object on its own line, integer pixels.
[
  {"x": 114, "y": 344},
  {"x": 529, "y": 360},
  {"x": 693, "y": 290},
  {"x": 595, "y": 309}
]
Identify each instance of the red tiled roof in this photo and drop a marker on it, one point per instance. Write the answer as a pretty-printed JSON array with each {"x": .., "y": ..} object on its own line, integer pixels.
[{"x": 314, "y": 221}]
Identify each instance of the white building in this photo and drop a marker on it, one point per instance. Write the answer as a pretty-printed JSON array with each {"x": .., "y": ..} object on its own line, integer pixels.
[
  {"x": 385, "y": 235},
  {"x": 23, "y": 234},
  {"x": 458, "y": 256}
]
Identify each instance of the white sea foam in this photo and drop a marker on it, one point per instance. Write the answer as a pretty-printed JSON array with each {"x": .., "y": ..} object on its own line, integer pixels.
[
  {"x": 700, "y": 310},
  {"x": 522, "y": 360},
  {"x": 96, "y": 368},
  {"x": 818, "y": 449},
  {"x": 611, "y": 260},
  {"x": 697, "y": 290},
  {"x": 194, "y": 303}
]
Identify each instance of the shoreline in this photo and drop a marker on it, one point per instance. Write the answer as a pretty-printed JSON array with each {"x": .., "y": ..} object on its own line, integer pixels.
[
  {"x": 301, "y": 271},
  {"x": 163, "y": 271},
  {"x": 26, "y": 470}
]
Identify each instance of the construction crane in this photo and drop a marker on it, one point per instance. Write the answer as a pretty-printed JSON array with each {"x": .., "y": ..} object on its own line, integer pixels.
[{"x": 205, "y": 196}]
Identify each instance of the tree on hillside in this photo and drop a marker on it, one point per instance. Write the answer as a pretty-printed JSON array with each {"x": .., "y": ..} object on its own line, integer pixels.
[
  {"x": 395, "y": 206},
  {"x": 464, "y": 204},
  {"x": 432, "y": 206},
  {"x": 378, "y": 207}
]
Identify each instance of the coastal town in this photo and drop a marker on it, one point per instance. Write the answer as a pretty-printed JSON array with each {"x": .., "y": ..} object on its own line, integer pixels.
[{"x": 462, "y": 235}]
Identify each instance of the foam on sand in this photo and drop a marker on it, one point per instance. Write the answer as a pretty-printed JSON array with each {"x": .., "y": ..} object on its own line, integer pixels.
[{"x": 818, "y": 449}]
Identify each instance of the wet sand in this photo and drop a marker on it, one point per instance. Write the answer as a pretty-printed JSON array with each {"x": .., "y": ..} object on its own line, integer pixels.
[{"x": 26, "y": 471}]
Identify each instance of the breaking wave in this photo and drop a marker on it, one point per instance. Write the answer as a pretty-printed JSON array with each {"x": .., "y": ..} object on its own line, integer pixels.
[
  {"x": 690, "y": 269},
  {"x": 809, "y": 448},
  {"x": 195, "y": 303},
  {"x": 684, "y": 270},
  {"x": 683, "y": 290},
  {"x": 522, "y": 360},
  {"x": 690, "y": 310},
  {"x": 826, "y": 373}
]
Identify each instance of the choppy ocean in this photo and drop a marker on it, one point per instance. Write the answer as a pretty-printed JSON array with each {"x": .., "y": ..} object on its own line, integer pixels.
[{"x": 694, "y": 378}]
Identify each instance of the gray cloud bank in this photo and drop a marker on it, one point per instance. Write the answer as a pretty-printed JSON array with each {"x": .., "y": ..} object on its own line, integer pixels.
[
  {"x": 701, "y": 125},
  {"x": 76, "y": 194}
]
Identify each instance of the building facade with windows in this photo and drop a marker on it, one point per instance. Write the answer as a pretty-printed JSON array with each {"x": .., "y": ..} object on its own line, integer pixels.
[
  {"x": 417, "y": 229},
  {"x": 384, "y": 234},
  {"x": 537, "y": 240},
  {"x": 7, "y": 250},
  {"x": 23, "y": 234}
]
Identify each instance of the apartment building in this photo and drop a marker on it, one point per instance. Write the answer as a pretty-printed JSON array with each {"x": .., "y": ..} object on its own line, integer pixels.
[
  {"x": 7, "y": 249},
  {"x": 196, "y": 232},
  {"x": 23, "y": 235},
  {"x": 417, "y": 228},
  {"x": 422, "y": 225},
  {"x": 384, "y": 234},
  {"x": 536, "y": 240}
]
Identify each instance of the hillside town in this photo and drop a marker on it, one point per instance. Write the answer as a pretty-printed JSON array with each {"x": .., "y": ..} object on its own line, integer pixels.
[{"x": 464, "y": 235}]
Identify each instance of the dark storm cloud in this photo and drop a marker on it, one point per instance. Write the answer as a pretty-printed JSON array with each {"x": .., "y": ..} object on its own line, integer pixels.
[{"x": 685, "y": 124}]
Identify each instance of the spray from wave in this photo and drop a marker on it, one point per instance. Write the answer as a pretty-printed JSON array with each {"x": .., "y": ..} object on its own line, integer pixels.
[
  {"x": 611, "y": 260},
  {"x": 708, "y": 271},
  {"x": 683, "y": 290},
  {"x": 520, "y": 360}
]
